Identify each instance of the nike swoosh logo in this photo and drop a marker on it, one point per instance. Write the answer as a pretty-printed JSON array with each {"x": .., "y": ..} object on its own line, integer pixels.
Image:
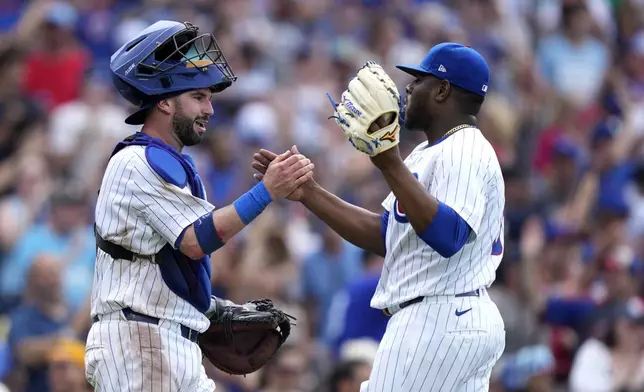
[{"x": 458, "y": 313}]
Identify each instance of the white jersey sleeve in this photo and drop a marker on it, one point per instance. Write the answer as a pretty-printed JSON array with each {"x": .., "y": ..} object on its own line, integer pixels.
[
  {"x": 459, "y": 181},
  {"x": 388, "y": 203}
]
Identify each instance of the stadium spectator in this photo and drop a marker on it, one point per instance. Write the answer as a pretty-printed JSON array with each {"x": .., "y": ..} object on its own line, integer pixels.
[
  {"x": 67, "y": 367},
  {"x": 350, "y": 315},
  {"x": 24, "y": 206},
  {"x": 37, "y": 324},
  {"x": 614, "y": 361},
  {"x": 83, "y": 131},
  {"x": 286, "y": 372},
  {"x": 573, "y": 61},
  {"x": 60, "y": 54},
  {"x": 530, "y": 369},
  {"x": 22, "y": 120},
  {"x": 326, "y": 272},
  {"x": 347, "y": 376},
  {"x": 67, "y": 235}
]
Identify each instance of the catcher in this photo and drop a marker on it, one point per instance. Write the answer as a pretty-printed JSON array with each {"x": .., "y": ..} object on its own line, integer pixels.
[{"x": 152, "y": 309}]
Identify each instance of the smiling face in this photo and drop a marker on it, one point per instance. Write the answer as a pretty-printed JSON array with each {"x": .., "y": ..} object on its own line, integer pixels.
[{"x": 192, "y": 110}]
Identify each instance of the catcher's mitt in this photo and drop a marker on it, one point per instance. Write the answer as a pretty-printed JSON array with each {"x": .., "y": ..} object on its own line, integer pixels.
[
  {"x": 243, "y": 338},
  {"x": 369, "y": 110}
]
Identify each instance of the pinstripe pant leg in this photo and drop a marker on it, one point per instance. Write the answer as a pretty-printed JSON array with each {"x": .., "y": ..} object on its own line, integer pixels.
[
  {"x": 479, "y": 381},
  {"x": 397, "y": 349},
  {"x": 112, "y": 363},
  {"x": 426, "y": 367},
  {"x": 123, "y": 356},
  {"x": 427, "y": 347},
  {"x": 491, "y": 345}
]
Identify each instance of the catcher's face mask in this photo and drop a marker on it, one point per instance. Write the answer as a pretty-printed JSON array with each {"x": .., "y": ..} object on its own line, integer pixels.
[
  {"x": 188, "y": 54},
  {"x": 169, "y": 58},
  {"x": 173, "y": 58}
]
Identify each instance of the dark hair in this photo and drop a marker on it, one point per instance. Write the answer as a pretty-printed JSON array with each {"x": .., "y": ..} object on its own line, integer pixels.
[
  {"x": 273, "y": 364},
  {"x": 344, "y": 371},
  {"x": 569, "y": 9},
  {"x": 468, "y": 102},
  {"x": 512, "y": 173},
  {"x": 10, "y": 54},
  {"x": 638, "y": 174}
]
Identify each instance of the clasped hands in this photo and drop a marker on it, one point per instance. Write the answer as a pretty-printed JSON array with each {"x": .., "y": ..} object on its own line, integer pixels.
[{"x": 262, "y": 161}]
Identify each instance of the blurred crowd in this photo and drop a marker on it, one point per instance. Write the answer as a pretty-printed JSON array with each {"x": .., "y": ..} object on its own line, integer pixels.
[{"x": 565, "y": 113}]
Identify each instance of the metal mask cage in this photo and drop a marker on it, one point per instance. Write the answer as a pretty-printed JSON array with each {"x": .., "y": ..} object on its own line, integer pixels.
[{"x": 189, "y": 49}]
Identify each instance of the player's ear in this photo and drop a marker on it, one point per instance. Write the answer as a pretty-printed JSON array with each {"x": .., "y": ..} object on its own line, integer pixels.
[
  {"x": 444, "y": 89},
  {"x": 166, "y": 106}
]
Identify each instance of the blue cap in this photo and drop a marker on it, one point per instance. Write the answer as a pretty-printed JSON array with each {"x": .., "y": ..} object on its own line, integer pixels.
[{"x": 460, "y": 65}]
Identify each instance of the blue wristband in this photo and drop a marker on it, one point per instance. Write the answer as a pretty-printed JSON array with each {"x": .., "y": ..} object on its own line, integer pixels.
[
  {"x": 252, "y": 203},
  {"x": 207, "y": 236}
]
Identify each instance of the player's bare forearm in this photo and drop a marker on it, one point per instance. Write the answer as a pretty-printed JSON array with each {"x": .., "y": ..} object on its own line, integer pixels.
[
  {"x": 357, "y": 225},
  {"x": 227, "y": 224},
  {"x": 419, "y": 206}
]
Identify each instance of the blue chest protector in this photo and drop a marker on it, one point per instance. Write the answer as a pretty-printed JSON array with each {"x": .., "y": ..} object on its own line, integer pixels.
[{"x": 188, "y": 278}]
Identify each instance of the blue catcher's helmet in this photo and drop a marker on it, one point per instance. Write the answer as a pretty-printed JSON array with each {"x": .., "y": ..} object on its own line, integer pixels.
[{"x": 167, "y": 59}]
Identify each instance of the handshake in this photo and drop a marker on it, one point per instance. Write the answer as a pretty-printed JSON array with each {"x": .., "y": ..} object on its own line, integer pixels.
[
  {"x": 287, "y": 175},
  {"x": 369, "y": 116}
]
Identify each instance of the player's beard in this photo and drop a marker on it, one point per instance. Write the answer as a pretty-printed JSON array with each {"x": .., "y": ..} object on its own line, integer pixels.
[
  {"x": 416, "y": 118},
  {"x": 412, "y": 122},
  {"x": 183, "y": 127}
]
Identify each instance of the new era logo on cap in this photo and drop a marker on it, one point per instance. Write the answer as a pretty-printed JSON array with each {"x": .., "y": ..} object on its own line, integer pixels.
[{"x": 467, "y": 68}]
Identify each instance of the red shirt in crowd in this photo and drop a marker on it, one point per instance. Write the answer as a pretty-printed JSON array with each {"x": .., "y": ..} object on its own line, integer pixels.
[{"x": 53, "y": 79}]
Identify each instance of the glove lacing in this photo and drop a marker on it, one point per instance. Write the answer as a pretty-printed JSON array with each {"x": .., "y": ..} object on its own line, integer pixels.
[
  {"x": 227, "y": 321},
  {"x": 266, "y": 305}
]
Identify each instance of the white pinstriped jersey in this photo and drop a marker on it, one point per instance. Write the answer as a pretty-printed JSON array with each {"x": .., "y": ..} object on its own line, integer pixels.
[
  {"x": 140, "y": 211},
  {"x": 463, "y": 172}
]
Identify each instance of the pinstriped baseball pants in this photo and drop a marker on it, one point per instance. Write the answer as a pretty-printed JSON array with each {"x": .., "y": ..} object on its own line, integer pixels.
[
  {"x": 442, "y": 344},
  {"x": 130, "y": 356}
]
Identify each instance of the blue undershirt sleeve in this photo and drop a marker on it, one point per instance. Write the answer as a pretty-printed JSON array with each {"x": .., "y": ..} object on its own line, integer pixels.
[
  {"x": 383, "y": 230},
  {"x": 448, "y": 232}
]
